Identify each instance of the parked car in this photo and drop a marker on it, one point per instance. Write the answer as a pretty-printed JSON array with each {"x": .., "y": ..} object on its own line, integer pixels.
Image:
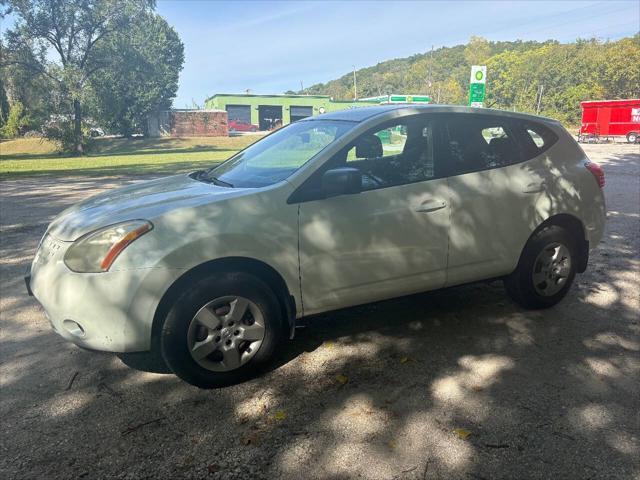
[
  {"x": 240, "y": 126},
  {"x": 209, "y": 271}
]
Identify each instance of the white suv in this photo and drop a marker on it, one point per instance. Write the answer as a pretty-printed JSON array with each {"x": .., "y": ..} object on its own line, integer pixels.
[{"x": 210, "y": 270}]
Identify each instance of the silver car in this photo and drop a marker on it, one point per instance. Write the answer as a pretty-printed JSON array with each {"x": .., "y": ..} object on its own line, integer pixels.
[{"x": 209, "y": 271}]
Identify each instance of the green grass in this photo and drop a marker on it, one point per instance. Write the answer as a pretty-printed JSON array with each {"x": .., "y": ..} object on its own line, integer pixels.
[{"x": 119, "y": 156}]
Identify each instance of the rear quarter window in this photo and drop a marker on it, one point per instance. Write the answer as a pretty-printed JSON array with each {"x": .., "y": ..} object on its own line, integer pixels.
[{"x": 536, "y": 138}]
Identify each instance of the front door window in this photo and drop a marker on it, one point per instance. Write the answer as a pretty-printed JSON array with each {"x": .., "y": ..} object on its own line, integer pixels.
[{"x": 398, "y": 153}]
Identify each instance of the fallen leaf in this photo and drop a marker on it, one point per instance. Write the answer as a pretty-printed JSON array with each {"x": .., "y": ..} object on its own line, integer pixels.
[
  {"x": 462, "y": 433},
  {"x": 477, "y": 388},
  {"x": 342, "y": 379},
  {"x": 404, "y": 359},
  {"x": 329, "y": 344},
  {"x": 392, "y": 444},
  {"x": 280, "y": 415}
]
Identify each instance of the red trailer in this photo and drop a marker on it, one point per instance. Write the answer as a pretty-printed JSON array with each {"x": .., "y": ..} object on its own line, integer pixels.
[{"x": 605, "y": 119}]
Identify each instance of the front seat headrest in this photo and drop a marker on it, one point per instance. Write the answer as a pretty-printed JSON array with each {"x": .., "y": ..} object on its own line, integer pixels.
[{"x": 369, "y": 146}]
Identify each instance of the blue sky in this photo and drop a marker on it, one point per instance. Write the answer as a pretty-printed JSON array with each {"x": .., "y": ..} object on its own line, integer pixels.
[{"x": 269, "y": 47}]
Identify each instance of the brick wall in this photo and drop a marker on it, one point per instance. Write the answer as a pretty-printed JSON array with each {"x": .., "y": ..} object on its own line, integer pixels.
[{"x": 198, "y": 123}]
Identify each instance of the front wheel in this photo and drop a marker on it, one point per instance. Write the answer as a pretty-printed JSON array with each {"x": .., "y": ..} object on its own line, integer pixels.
[
  {"x": 546, "y": 269},
  {"x": 632, "y": 137},
  {"x": 221, "y": 330}
]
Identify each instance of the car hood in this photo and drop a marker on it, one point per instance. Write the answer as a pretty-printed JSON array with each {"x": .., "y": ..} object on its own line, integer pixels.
[{"x": 144, "y": 200}]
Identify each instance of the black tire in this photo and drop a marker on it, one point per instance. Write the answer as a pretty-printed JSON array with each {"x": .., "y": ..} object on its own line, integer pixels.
[
  {"x": 632, "y": 137},
  {"x": 174, "y": 330},
  {"x": 520, "y": 284}
]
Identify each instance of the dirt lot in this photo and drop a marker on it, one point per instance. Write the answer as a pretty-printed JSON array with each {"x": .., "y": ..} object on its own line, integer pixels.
[{"x": 383, "y": 391}]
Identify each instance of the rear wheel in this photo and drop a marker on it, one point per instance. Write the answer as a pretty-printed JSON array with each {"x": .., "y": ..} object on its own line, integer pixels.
[
  {"x": 632, "y": 137},
  {"x": 546, "y": 269},
  {"x": 222, "y": 330}
]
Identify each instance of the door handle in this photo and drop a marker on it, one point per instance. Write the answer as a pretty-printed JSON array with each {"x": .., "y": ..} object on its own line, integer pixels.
[
  {"x": 535, "y": 187},
  {"x": 431, "y": 206}
]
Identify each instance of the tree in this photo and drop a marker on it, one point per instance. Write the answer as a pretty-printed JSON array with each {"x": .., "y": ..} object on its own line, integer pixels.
[
  {"x": 16, "y": 121},
  {"x": 37, "y": 93},
  {"x": 478, "y": 50},
  {"x": 72, "y": 32},
  {"x": 4, "y": 102},
  {"x": 622, "y": 77},
  {"x": 146, "y": 78}
]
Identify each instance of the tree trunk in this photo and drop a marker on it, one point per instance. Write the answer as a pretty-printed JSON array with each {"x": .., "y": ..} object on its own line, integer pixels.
[{"x": 77, "y": 127}]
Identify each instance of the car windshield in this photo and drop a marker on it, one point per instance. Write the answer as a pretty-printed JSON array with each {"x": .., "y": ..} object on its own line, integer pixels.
[{"x": 279, "y": 155}]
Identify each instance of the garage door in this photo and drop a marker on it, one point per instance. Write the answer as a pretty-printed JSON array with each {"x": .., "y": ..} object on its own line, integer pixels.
[
  {"x": 298, "y": 113},
  {"x": 240, "y": 113}
]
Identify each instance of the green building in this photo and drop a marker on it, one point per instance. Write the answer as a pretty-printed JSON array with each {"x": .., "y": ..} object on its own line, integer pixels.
[{"x": 268, "y": 111}]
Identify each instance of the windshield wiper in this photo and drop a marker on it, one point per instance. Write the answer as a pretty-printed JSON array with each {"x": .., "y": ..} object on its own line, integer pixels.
[
  {"x": 204, "y": 176},
  {"x": 217, "y": 181}
]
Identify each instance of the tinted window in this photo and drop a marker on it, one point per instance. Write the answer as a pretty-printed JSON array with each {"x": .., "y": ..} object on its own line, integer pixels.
[
  {"x": 479, "y": 142},
  {"x": 536, "y": 138},
  {"x": 396, "y": 153}
]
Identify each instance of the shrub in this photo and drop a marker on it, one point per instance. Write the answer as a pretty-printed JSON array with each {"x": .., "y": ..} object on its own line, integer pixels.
[
  {"x": 59, "y": 129},
  {"x": 17, "y": 120},
  {"x": 33, "y": 134}
]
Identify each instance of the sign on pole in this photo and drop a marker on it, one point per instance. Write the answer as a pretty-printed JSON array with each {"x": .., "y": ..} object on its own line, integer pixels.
[{"x": 477, "y": 85}]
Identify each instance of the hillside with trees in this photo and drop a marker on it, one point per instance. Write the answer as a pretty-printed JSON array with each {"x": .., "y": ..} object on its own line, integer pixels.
[{"x": 568, "y": 74}]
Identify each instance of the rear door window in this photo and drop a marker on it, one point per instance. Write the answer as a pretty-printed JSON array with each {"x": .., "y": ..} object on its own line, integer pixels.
[{"x": 479, "y": 142}]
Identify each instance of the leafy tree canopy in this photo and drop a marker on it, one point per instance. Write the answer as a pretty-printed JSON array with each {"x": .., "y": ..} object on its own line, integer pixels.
[
  {"x": 570, "y": 73},
  {"x": 144, "y": 80}
]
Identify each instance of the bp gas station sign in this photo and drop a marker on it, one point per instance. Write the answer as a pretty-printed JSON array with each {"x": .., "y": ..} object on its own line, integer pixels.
[{"x": 477, "y": 85}]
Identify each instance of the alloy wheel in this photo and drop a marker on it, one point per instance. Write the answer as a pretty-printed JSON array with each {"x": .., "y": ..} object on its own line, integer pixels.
[
  {"x": 226, "y": 333},
  {"x": 551, "y": 269}
]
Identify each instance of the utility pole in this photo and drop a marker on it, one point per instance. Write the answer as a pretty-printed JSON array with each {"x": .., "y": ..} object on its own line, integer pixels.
[
  {"x": 355, "y": 84},
  {"x": 301, "y": 87},
  {"x": 539, "y": 99}
]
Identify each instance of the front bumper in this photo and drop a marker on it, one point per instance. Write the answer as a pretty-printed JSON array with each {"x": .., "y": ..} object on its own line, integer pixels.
[{"x": 111, "y": 311}]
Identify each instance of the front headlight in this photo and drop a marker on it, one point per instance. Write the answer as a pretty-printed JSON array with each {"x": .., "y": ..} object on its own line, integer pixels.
[{"x": 96, "y": 251}]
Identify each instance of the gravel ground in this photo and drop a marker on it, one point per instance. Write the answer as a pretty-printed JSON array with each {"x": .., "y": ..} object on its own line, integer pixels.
[{"x": 383, "y": 391}]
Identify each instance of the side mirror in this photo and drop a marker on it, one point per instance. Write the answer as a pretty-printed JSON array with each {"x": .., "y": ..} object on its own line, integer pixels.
[{"x": 341, "y": 181}]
